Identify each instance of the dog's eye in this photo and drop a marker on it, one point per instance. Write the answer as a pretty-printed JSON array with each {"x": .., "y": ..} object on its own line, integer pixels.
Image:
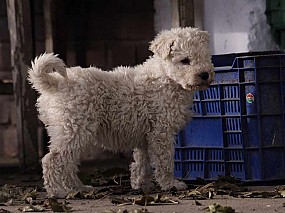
[{"x": 185, "y": 61}]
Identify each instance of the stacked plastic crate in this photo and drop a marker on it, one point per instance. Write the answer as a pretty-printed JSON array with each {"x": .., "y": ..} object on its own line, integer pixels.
[{"x": 239, "y": 122}]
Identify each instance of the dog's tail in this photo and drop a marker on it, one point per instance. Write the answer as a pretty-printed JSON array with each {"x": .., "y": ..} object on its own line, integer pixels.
[{"x": 39, "y": 74}]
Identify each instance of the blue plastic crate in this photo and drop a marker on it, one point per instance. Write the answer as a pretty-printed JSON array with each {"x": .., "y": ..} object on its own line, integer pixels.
[{"x": 239, "y": 122}]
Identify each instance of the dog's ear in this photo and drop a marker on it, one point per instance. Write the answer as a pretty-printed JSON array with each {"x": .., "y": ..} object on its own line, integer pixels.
[{"x": 161, "y": 45}]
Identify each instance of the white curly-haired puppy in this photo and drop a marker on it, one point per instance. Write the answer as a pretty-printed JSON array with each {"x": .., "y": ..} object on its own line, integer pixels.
[{"x": 139, "y": 108}]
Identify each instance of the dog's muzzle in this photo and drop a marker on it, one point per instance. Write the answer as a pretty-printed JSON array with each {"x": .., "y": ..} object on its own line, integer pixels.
[
  {"x": 206, "y": 80},
  {"x": 204, "y": 76}
]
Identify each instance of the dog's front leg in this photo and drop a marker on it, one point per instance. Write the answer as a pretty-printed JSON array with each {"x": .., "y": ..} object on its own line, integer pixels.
[
  {"x": 141, "y": 172},
  {"x": 161, "y": 153}
]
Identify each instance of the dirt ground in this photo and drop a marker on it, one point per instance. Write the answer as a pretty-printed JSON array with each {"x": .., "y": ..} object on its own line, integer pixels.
[
  {"x": 105, "y": 205},
  {"x": 113, "y": 195},
  {"x": 248, "y": 205}
]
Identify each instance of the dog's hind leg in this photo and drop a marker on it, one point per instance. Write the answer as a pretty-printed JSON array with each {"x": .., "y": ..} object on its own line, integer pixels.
[
  {"x": 60, "y": 166},
  {"x": 53, "y": 168},
  {"x": 141, "y": 171},
  {"x": 161, "y": 153}
]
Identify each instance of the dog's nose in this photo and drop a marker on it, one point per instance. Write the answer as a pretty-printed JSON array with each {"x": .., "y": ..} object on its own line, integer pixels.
[{"x": 204, "y": 76}]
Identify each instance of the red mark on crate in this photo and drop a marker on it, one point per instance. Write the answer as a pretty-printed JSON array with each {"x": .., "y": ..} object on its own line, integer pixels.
[{"x": 249, "y": 98}]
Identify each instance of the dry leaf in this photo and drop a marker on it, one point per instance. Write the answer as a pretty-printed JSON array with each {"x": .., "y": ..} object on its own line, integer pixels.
[
  {"x": 4, "y": 197},
  {"x": 29, "y": 200},
  {"x": 108, "y": 211},
  {"x": 194, "y": 194},
  {"x": 58, "y": 207},
  {"x": 206, "y": 188},
  {"x": 160, "y": 199},
  {"x": 9, "y": 203},
  {"x": 4, "y": 211},
  {"x": 144, "y": 200},
  {"x": 120, "y": 201},
  {"x": 217, "y": 208},
  {"x": 257, "y": 194},
  {"x": 198, "y": 203},
  {"x": 163, "y": 199},
  {"x": 280, "y": 188},
  {"x": 32, "y": 195},
  {"x": 282, "y": 193},
  {"x": 144, "y": 210},
  {"x": 31, "y": 208},
  {"x": 90, "y": 194},
  {"x": 73, "y": 195}
]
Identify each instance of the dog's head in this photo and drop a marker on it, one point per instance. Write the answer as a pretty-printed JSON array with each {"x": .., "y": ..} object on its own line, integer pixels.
[{"x": 187, "y": 55}]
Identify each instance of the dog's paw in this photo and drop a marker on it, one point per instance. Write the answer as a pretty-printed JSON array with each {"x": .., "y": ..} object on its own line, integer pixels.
[{"x": 179, "y": 185}]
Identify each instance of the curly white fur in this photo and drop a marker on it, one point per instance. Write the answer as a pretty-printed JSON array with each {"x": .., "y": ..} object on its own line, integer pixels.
[{"x": 140, "y": 108}]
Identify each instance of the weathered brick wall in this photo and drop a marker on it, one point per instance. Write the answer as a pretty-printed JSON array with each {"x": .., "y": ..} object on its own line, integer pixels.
[{"x": 115, "y": 32}]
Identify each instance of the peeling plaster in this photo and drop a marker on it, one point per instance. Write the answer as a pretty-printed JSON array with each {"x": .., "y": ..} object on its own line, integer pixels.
[{"x": 237, "y": 26}]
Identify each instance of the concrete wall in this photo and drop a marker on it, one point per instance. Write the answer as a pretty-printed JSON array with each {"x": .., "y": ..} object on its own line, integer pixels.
[
  {"x": 237, "y": 26},
  {"x": 163, "y": 15},
  {"x": 234, "y": 25}
]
